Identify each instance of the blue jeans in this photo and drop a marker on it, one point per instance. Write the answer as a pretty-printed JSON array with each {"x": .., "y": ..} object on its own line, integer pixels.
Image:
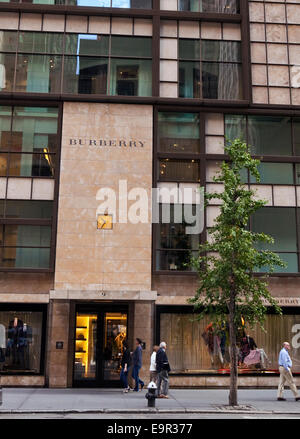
[
  {"x": 124, "y": 378},
  {"x": 135, "y": 376}
]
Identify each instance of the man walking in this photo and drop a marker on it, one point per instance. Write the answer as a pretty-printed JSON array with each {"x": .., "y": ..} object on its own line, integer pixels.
[
  {"x": 137, "y": 364},
  {"x": 285, "y": 364},
  {"x": 163, "y": 369}
]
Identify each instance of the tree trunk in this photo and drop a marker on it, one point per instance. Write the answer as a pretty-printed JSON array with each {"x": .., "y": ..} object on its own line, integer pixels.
[{"x": 233, "y": 353}]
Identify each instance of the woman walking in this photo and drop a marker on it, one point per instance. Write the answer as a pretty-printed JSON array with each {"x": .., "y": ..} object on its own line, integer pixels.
[{"x": 125, "y": 364}]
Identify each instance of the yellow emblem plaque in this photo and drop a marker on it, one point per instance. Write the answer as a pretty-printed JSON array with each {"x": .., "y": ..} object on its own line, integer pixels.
[{"x": 105, "y": 222}]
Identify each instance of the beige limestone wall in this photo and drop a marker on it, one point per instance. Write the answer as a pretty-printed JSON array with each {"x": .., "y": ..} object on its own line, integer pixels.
[
  {"x": 26, "y": 286},
  {"x": 87, "y": 258}
]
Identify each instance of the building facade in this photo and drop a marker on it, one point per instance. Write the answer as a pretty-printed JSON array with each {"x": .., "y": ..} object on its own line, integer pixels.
[{"x": 100, "y": 103}]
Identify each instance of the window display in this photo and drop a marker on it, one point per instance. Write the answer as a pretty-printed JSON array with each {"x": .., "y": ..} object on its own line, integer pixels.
[
  {"x": 20, "y": 341},
  {"x": 200, "y": 347}
]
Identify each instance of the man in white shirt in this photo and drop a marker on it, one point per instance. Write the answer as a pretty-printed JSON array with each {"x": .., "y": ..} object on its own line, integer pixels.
[
  {"x": 286, "y": 377},
  {"x": 153, "y": 373}
]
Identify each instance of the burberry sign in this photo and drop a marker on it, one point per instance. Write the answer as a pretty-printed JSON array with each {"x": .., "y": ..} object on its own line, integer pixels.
[
  {"x": 118, "y": 143},
  {"x": 285, "y": 301}
]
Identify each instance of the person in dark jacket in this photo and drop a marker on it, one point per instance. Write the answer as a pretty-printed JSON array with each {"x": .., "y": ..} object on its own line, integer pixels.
[
  {"x": 125, "y": 364},
  {"x": 163, "y": 369},
  {"x": 137, "y": 364}
]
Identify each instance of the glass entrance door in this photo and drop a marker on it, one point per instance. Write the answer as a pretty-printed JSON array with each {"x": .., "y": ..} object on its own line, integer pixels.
[
  {"x": 99, "y": 335},
  {"x": 115, "y": 331}
]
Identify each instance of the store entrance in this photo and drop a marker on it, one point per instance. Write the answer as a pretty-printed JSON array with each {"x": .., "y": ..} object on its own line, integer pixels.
[{"x": 99, "y": 333}]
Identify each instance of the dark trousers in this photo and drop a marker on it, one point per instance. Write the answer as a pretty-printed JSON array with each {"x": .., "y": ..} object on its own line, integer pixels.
[
  {"x": 135, "y": 376},
  {"x": 124, "y": 378}
]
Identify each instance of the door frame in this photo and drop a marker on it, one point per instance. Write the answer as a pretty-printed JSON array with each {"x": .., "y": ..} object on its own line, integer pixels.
[{"x": 100, "y": 309}]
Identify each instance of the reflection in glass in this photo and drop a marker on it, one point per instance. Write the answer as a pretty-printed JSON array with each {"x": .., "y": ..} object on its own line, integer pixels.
[
  {"x": 189, "y": 80},
  {"x": 38, "y": 73},
  {"x": 178, "y": 170},
  {"x": 85, "y": 347},
  {"x": 32, "y": 165},
  {"x": 270, "y": 220},
  {"x": 130, "y": 77},
  {"x": 131, "y": 46},
  {"x": 8, "y": 41},
  {"x": 189, "y": 49},
  {"x": 174, "y": 260},
  {"x": 40, "y": 42},
  {"x": 221, "y": 6},
  {"x": 7, "y": 68},
  {"x": 85, "y": 75},
  {"x": 275, "y": 173},
  {"x": 235, "y": 127},
  {"x": 86, "y": 44},
  {"x": 22, "y": 341},
  {"x": 221, "y": 81},
  {"x": 178, "y": 132},
  {"x": 270, "y": 135},
  {"x": 28, "y": 209}
]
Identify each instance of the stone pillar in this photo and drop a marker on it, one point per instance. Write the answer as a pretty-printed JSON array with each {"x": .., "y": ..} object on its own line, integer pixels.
[
  {"x": 58, "y": 330},
  {"x": 143, "y": 328}
]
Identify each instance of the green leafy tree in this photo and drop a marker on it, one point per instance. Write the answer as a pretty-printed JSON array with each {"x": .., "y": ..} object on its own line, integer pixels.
[{"x": 228, "y": 289}]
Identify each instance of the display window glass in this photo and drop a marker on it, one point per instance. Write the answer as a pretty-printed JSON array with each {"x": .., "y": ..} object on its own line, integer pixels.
[
  {"x": 199, "y": 346},
  {"x": 21, "y": 337}
]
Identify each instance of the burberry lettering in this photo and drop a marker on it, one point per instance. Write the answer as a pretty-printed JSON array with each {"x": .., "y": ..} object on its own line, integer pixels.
[{"x": 120, "y": 143}]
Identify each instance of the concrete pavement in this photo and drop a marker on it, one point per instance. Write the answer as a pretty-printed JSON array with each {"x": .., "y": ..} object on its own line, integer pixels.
[{"x": 108, "y": 401}]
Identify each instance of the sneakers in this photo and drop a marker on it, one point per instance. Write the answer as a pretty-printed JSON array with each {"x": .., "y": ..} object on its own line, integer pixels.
[
  {"x": 297, "y": 398},
  {"x": 125, "y": 391},
  {"x": 142, "y": 386},
  {"x": 282, "y": 399}
]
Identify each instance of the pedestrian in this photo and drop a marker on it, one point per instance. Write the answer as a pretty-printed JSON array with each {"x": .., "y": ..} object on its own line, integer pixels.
[
  {"x": 153, "y": 373},
  {"x": 137, "y": 364},
  {"x": 286, "y": 376},
  {"x": 163, "y": 369},
  {"x": 125, "y": 364}
]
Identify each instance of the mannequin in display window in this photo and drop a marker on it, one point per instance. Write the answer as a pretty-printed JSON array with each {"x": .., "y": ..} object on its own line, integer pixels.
[
  {"x": 18, "y": 336},
  {"x": 213, "y": 343}
]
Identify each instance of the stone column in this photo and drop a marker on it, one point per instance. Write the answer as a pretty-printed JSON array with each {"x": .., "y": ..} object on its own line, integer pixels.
[
  {"x": 58, "y": 330},
  {"x": 143, "y": 328}
]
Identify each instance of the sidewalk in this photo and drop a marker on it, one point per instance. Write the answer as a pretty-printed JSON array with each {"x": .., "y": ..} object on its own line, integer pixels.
[{"x": 40, "y": 400}]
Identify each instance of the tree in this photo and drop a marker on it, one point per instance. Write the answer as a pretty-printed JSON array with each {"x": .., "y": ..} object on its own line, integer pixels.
[{"x": 228, "y": 288}]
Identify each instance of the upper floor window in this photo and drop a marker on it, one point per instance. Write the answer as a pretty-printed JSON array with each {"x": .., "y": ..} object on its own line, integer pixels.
[
  {"x": 133, "y": 4},
  {"x": 37, "y": 62},
  {"x": 210, "y": 69},
  {"x": 220, "y": 6},
  {"x": 266, "y": 135}
]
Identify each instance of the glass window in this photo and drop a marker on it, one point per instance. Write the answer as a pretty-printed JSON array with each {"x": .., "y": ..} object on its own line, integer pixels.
[
  {"x": 40, "y": 42},
  {"x": 31, "y": 165},
  {"x": 189, "y": 80},
  {"x": 269, "y": 220},
  {"x": 196, "y": 346},
  {"x": 86, "y": 44},
  {"x": 275, "y": 173},
  {"x": 221, "y": 81},
  {"x": 235, "y": 126},
  {"x": 21, "y": 335},
  {"x": 130, "y": 77},
  {"x": 38, "y": 73},
  {"x": 174, "y": 248},
  {"x": 221, "y": 51},
  {"x": 8, "y": 41},
  {"x": 178, "y": 170},
  {"x": 131, "y": 46},
  {"x": 189, "y": 49},
  {"x": 28, "y": 209},
  {"x": 296, "y": 132},
  {"x": 178, "y": 132},
  {"x": 7, "y": 70},
  {"x": 25, "y": 246},
  {"x": 85, "y": 75},
  {"x": 270, "y": 135},
  {"x": 221, "y": 6}
]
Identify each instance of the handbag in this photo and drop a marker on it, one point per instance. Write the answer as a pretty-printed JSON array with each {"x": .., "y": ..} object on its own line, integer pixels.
[{"x": 253, "y": 357}]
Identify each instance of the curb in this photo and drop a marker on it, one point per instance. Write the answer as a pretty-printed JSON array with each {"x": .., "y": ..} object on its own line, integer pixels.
[{"x": 146, "y": 411}]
